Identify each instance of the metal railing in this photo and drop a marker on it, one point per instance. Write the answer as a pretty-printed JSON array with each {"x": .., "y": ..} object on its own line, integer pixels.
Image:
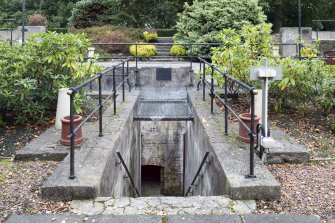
[
  {"x": 252, "y": 92},
  {"x": 317, "y": 26},
  {"x": 74, "y": 90},
  {"x": 197, "y": 174},
  {"x": 128, "y": 173}
]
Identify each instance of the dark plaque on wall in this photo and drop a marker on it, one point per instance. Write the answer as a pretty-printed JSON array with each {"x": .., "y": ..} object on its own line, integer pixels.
[{"x": 163, "y": 74}]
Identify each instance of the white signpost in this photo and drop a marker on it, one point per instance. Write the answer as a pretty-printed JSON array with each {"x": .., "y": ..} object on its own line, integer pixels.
[{"x": 266, "y": 73}]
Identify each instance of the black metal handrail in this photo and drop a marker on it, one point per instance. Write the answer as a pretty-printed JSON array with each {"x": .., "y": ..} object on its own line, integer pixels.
[
  {"x": 197, "y": 174},
  {"x": 74, "y": 90},
  {"x": 252, "y": 91},
  {"x": 128, "y": 173},
  {"x": 317, "y": 27}
]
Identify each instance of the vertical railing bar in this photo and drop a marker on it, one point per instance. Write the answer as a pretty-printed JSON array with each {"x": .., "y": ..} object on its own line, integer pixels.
[
  {"x": 203, "y": 82},
  {"x": 128, "y": 173},
  {"x": 100, "y": 105},
  {"x": 212, "y": 91},
  {"x": 123, "y": 94},
  {"x": 72, "y": 135},
  {"x": 226, "y": 102},
  {"x": 251, "y": 135},
  {"x": 128, "y": 76},
  {"x": 136, "y": 56},
  {"x": 114, "y": 91}
]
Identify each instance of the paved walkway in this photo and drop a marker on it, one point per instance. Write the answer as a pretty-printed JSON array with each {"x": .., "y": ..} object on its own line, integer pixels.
[
  {"x": 249, "y": 218},
  {"x": 196, "y": 205}
]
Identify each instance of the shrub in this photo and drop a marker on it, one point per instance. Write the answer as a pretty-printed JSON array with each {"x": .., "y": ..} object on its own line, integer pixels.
[
  {"x": 203, "y": 20},
  {"x": 37, "y": 19},
  {"x": 94, "y": 32},
  {"x": 178, "y": 50},
  {"x": 30, "y": 75},
  {"x": 143, "y": 50},
  {"x": 150, "y": 36},
  {"x": 307, "y": 81},
  {"x": 113, "y": 37},
  {"x": 166, "y": 32}
]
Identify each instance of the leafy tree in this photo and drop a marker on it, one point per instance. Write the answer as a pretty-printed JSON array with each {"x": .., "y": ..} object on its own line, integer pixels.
[
  {"x": 202, "y": 21},
  {"x": 130, "y": 13},
  {"x": 285, "y": 13}
]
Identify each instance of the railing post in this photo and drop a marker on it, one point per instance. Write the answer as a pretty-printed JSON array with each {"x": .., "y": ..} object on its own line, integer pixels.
[
  {"x": 72, "y": 135},
  {"x": 226, "y": 102},
  {"x": 100, "y": 105},
  {"x": 128, "y": 76},
  {"x": 212, "y": 91},
  {"x": 114, "y": 91},
  {"x": 203, "y": 82},
  {"x": 251, "y": 135},
  {"x": 136, "y": 55},
  {"x": 191, "y": 52},
  {"x": 123, "y": 97}
]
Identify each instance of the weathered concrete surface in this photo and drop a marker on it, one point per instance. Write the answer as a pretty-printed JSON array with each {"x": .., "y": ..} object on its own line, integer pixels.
[
  {"x": 289, "y": 35},
  {"x": 214, "y": 205},
  {"x": 45, "y": 147},
  {"x": 229, "y": 160},
  {"x": 17, "y": 33},
  {"x": 281, "y": 218},
  {"x": 72, "y": 218},
  {"x": 95, "y": 162},
  {"x": 287, "y": 149}
]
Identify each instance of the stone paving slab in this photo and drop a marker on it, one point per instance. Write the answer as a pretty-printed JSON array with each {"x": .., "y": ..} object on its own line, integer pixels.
[
  {"x": 72, "y": 218},
  {"x": 44, "y": 147},
  {"x": 284, "y": 218},
  {"x": 195, "y": 205}
]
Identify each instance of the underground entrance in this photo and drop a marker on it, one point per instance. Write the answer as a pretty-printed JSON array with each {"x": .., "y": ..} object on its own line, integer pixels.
[{"x": 151, "y": 180}]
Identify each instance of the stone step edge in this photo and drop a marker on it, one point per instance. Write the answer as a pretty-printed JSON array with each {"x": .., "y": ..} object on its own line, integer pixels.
[{"x": 249, "y": 218}]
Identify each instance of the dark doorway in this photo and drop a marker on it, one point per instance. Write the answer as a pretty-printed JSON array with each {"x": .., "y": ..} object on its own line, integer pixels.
[{"x": 151, "y": 180}]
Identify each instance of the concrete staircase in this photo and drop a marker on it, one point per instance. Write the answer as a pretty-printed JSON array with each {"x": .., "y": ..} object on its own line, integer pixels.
[{"x": 164, "y": 50}]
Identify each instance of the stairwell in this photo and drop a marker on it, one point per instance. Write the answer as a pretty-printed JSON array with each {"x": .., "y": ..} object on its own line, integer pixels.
[{"x": 164, "y": 50}]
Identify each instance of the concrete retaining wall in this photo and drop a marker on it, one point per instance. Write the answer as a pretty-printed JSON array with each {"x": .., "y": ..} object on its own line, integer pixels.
[
  {"x": 212, "y": 180},
  {"x": 98, "y": 169}
]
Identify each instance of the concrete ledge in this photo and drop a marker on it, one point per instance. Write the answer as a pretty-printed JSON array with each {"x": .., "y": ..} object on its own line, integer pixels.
[
  {"x": 71, "y": 218},
  {"x": 232, "y": 155},
  {"x": 93, "y": 157},
  {"x": 44, "y": 147}
]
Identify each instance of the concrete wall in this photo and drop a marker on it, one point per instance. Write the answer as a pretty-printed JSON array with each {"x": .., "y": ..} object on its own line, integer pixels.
[
  {"x": 17, "y": 33},
  {"x": 212, "y": 179},
  {"x": 289, "y": 35},
  {"x": 326, "y": 46},
  {"x": 113, "y": 180},
  {"x": 324, "y": 35},
  {"x": 162, "y": 145}
]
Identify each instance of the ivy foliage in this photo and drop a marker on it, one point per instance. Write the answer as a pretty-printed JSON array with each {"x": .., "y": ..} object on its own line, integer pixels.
[
  {"x": 30, "y": 75},
  {"x": 202, "y": 21}
]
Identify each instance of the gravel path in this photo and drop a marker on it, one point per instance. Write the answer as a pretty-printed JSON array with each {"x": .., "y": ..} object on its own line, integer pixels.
[
  {"x": 20, "y": 188},
  {"x": 306, "y": 189}
]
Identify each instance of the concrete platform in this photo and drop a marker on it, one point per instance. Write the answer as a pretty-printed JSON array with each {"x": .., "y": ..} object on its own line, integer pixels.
[
  {"x": 71, "y": 218},
  {"x": 93, "y": 158}
]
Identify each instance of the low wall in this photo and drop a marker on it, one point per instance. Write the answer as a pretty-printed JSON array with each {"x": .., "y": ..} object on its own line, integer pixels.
[
  {"x": 97, "y": 167},
  {"x": 212, "y": 180}
]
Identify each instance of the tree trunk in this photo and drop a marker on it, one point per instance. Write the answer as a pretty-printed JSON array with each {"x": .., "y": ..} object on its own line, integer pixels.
[{"x": 278, "y": 17}]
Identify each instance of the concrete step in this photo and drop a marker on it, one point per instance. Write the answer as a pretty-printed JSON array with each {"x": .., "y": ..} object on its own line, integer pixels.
[
  {"x": 165, "y": 40},
  {"x": 249, "y": 218},
  {"x": 163, "y": 54},
  {"x": 167, "y": 205}
]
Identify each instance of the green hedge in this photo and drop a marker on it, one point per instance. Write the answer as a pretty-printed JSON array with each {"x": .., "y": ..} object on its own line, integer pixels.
[
  {"x": 58, "y": 30},
  {"x": 166, "y": 32},
  {"x": 143, "y": 50}
]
